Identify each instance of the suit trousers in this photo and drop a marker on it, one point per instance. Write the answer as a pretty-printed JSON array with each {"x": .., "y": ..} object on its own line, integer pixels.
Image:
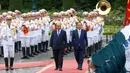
[
  {"x": 79, "y": 56},
  {"x": 58, "y": 57}
]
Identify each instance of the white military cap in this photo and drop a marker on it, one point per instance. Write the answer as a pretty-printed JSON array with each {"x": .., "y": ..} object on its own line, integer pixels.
[
  {"x": 4, "y": 14},
  {"x": 55, "y": 14},
  {"x": 73, "y": 10},
  {"x": 17, "y": 12},
  {"x": 8, "y": 17},
  {"x": 9, "y": 12},
  {"x": 85, "y": 14},
  {"x": 24, "y": 15}
]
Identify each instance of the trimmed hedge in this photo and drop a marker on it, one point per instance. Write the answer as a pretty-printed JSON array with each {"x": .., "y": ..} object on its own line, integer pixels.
[{"x": 110, "y": 29}]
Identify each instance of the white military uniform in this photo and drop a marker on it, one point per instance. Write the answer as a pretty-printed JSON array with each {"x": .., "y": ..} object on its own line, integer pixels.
[
  {"x": 47, "y": 28},
  {"x": 32, "y": 34},
  {"x": 8, "y": 39},
  {"x": 0, "y": 33},
  {"x": 37, "y": 32},
  {"x": 25, "y": 39}
]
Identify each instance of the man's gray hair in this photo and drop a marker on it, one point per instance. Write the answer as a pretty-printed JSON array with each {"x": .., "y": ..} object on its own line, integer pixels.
[{"x": 58, "y": 23}]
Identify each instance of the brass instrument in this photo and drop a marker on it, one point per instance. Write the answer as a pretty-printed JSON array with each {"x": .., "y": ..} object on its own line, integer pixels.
[
  {"x": 103, "y": 6},
  {"x": 14, "y": 30}
]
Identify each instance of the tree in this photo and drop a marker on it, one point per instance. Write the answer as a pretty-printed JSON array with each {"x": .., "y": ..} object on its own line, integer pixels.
[
  {"x": 46, "y": 4},
  {"x": 119, "y": 3},
  {"x": 15, "y": 4},
  {"x": 67, "y": 4},
  {"x": 4, "y": 4},
  {"x": 86, "y": 4}
]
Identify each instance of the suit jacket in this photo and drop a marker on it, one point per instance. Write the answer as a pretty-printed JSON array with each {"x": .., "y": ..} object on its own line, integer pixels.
[
  {"x": 58, "y": 42},
  {"x": 79, "y": 41}
]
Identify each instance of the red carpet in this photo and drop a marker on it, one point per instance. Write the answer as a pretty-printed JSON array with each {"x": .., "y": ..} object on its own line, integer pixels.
[
  {"x": 69, "y": 66},
  {"x": 28, "y": 64}
]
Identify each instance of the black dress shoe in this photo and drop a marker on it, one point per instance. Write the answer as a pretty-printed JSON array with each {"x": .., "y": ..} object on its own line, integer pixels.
[
  {"x": 65, "y": 53},
  {"x": 23, "y": 57},
  {"x": 35, "y": 53},
  {"x": 56, "y": 69},
  {"x": 30, "y": 55},
  {"x": 7, "y": 69},
  {"x": 11, "y": 68},
  {"x": 80, "y": 68},
  {"x": 47, "y": 49},
  {"x": 41, "y": 50},
  {"x": 26, "y": 57},
  {"x": 52, "y": 57},
  {"x": 60, "y": 69},
  {"x": 1, "y": 56},
  {"x": 86, "y": 56}
]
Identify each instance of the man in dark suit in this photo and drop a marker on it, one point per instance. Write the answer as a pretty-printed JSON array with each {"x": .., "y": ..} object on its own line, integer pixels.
[
  {"x": 79, "y": 42},
  {"x": 58, "y": 44}
]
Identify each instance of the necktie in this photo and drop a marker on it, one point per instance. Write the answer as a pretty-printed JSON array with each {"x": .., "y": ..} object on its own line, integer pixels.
[
  {"x": 58, "y": 32},
  {"x": 79, "y": 33}
]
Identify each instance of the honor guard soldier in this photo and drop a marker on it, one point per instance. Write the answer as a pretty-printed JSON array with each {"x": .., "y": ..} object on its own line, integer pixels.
[
  {"x": 1, "y": 47},
  {"x": 32, "y": 36},
  {"x": 38, "y": 33},
  {"x": 4, "y": 14},
  {"x": 42, "y": 13},
  {"x": 86, "y": 24},
  {"x": 47, "y": 19},
  {"x": 24, "y": 37},
  {"x": 14, "y": 23},
  {"x": 8, "y": 35},
  {"x": 18, "y": 19}
]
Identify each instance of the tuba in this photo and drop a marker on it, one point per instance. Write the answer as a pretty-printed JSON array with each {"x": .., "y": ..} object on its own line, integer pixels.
[{"x": 103, "y": 6}]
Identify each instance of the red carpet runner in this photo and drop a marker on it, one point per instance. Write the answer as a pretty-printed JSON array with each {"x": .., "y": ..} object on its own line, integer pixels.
[
  {"x": 28, "y": 64},
  {"x": 69, "y": 66}
]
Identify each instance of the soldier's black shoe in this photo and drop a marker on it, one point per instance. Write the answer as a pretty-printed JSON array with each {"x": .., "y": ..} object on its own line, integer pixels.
[
  {"x": 35, "y": 53},
  {"x": 6, "y": 64},
  {"x": 41, "y": 50},
  {"x": 47, "y": 49},
  {"x": 52, "y": 57},
  {"x": 30, "y": 55},
  {"x": 44, "y": 50},
  {"x": 26, "y": 57},
  {"x": 1, "y": 56},
  {"x": 65, "y": 53},
  {"x": 23, "y": 57},
  {"x": 11, "y": 68},
  {"x": 6, "y": 68}
]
